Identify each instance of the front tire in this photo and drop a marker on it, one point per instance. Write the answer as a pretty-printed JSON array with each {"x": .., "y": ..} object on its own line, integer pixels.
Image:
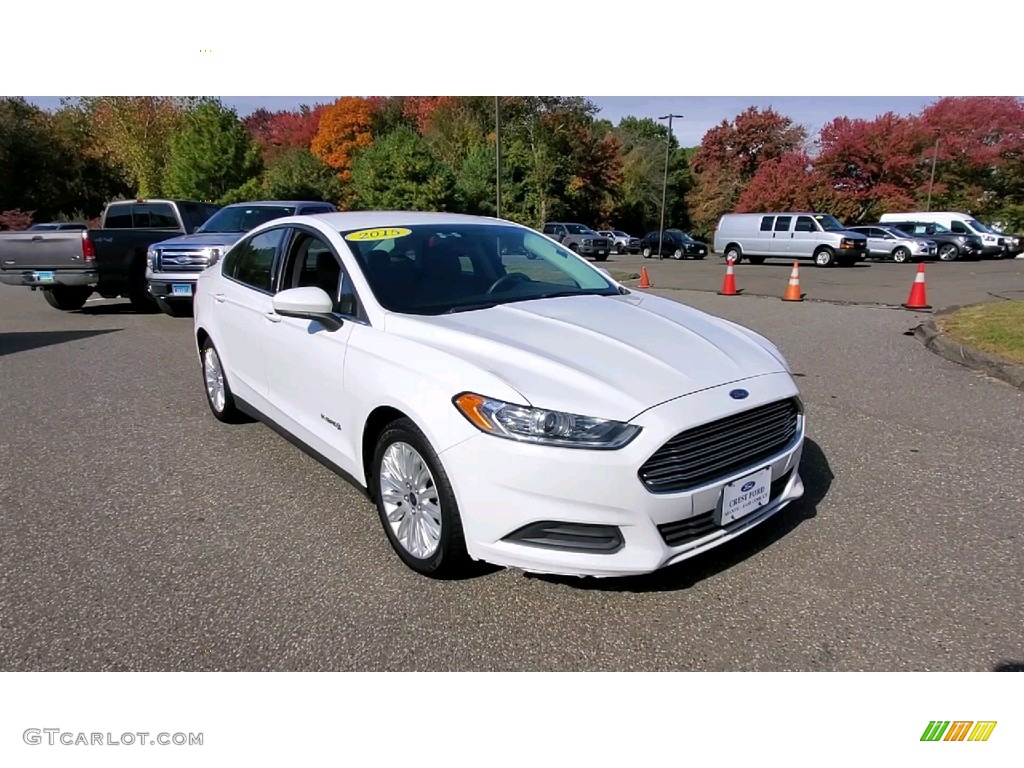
[
  {"x": 67, "y": 298},
  {"x": 175, "y": 308},
  {"x": 218, "y": 393},
  {"x": 901, "y": 255},
  {"x": 949, "y": 252},
  {"x": 824, "y": 257},
  {"x": 678, "y": 254},
  {"x": 416, "y": 503}
]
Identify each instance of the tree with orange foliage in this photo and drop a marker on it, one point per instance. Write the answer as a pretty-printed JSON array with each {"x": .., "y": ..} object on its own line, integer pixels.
[{"x": 345, "y": 127}]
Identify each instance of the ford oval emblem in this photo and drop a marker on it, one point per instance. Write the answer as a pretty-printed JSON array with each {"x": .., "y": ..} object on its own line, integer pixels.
[
  {"x": 739, "y": 394},
  {"x": 747, "y": 486}
]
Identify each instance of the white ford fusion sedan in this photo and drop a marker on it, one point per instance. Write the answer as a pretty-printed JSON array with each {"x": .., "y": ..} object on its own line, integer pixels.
[{"x": 496, "y": 396}]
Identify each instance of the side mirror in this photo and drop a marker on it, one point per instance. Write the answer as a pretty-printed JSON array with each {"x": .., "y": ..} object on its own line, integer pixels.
[{"x": 310, "y": 303}]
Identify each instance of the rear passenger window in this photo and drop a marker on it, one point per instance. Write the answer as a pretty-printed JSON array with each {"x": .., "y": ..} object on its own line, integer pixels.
[
  {"x": 253, "y": 262},
  {"x": 782, "y": 223},
  {"x": 766, "y": 223}
]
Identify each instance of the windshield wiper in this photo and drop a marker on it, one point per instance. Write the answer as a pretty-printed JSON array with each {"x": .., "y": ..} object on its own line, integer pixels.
[{"x": 471, "y": 307}]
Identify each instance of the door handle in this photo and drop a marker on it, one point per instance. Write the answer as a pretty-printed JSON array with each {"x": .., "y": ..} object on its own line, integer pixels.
[
  {"x": 219, "y": 297},
  {"x": 272, "y": 317},
  {"x": 37, "y": 237}
]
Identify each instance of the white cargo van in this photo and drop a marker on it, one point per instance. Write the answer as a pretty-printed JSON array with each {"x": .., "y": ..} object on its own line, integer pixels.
[
  {"x": 792, "y": 235},
  {"x": 993, "y": 245}
]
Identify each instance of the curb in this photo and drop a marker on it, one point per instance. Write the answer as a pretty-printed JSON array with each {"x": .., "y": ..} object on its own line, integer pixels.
[{"x": 943, "y": 346}]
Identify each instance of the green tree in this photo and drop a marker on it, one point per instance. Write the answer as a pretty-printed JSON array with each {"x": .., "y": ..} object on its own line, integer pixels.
[
  {"x": 298, "y": 175},
  {"x": 133, "y": 133},
  {"x": 399, "y": 172},
  {"x": 211, "y": 155},
  {"x": 643, "y": 143}
]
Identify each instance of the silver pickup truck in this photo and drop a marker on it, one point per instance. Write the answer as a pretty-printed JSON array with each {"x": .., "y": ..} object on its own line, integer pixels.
[
  {"x": 68, "y": 266},
  {"x": 173, "y": 266}
]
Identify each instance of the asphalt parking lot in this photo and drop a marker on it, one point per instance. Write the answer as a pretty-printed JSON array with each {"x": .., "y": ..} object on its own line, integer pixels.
[{"x": 141, "y": 534}]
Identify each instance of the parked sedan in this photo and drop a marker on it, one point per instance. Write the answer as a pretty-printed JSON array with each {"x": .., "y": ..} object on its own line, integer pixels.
[
  {"x": 675, "y": 243},
  {"x": 524, "y": 412},
  {"x": 887, "y": 242}
]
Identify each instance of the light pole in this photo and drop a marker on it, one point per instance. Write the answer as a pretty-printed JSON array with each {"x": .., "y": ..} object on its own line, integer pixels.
[
  {"x": 664, "y": 182},
  {"x": 935, "y": 156},
  {"x": 497, "y": 157}
]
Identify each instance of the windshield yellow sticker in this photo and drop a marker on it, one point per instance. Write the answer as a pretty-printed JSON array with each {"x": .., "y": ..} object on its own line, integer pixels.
[{"x": 364, "y": 235}]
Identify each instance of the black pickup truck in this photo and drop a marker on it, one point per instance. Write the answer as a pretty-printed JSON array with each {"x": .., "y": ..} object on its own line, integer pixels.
[{"x": 69, "y": 266}]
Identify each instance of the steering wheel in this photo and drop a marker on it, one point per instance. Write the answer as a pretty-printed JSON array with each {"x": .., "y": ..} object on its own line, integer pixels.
[{"x": 512, "y": 277}]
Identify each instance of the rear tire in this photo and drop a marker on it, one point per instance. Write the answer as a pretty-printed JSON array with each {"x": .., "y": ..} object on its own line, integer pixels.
[
  {"x": 67, "y": 298},
  {"x": 732, "y": 252},
  {"x": 601, "y": 258},
  {"x": 432, "y": 507},
  {"x": 218, "y": 392}
]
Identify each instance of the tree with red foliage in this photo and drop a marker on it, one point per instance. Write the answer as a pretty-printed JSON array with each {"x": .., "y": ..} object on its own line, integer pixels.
[
  {"x": 15, "y": 220},
  {"x": 873, "y": 166},
  {"x": 729, "y": 156},
  {"x": 276, "y": 132},
  {"x": 345, "y": 127},
  {"x": 786, "y": 183},
  {"x": 980, "y": 160}
]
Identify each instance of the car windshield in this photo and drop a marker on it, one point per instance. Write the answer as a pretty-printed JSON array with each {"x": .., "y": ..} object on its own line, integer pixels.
[
  {"x": 978, "y": 226},
  {"x": 619, "y": 233},
  {"x": 434, "y": 269},
  {"x": 829, "y": 223},
  {"x": 579, "y": 229},
  {"x": 242, "y": 218},
  {"x": 680, "y": 235}
]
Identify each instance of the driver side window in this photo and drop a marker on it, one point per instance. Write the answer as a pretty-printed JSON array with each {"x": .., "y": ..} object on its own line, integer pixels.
[{"x": 310, "y": 262}]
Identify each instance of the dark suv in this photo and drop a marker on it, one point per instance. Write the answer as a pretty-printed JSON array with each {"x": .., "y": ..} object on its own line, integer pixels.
[
  {"x": 675, "y": 243},
  {"x": 951, "y": 245},
  {"x": 579, "y": 238}
]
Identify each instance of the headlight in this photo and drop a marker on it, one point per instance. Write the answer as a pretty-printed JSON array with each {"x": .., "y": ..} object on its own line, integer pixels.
[
  {"x": 151, "y": 258},
  {"x": 536, "y": 425},
  {"x": 211, "y": 254}
]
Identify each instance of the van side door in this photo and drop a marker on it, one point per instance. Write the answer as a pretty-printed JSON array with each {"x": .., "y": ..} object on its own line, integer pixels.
[{"x": 782, "y": 236}]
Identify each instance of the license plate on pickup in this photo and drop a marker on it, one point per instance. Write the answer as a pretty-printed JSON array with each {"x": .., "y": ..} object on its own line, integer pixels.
[
  {"x": 744, "y": 496},
  {"x": 43, "y": 277},
  {"x": 181, "y": 290},
  {"x": 600, "y": 253}
]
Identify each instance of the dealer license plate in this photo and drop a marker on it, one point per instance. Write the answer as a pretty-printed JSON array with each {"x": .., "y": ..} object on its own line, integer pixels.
[
  {"x": 744, "y": 496},
  {"x": 44, "y": 277},
  {"x": 181, "y": 290}
]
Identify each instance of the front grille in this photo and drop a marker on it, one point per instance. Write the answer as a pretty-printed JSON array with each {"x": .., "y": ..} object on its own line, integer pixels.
[
  {"x": 692, "y": 528},
  {"x": 181, "y": 261},
  {"x": 711, "y": 451}
]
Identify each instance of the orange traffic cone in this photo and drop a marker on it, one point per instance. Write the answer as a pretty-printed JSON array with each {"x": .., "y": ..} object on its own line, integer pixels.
[
  {"x": 793, "y": 289},
  {"x": 729, "y": 284},
  {"x": 645, "y": 282},
  {"x": 917, "y": 299}
]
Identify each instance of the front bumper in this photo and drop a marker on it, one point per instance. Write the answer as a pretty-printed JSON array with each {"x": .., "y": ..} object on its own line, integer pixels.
[
  {"x": 173, "y": 288},
  {"x": 595, "y": 250},
  {"x": 503, "y": 486},
  {"x": 43, "y": 278}
]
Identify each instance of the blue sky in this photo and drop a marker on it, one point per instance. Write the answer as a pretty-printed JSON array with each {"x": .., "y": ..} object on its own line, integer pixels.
[{"x": 701, "y": 112}]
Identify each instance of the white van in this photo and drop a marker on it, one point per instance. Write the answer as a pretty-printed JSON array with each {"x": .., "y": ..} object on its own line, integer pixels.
[
  {"x": 993, "y": 245},
  {"x": 791, "y": 235}
]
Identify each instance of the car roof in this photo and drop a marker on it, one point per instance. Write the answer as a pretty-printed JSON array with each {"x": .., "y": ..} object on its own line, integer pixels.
[
  {"x": 366, "y": 219},
  {"x": 281, "y": 203}
]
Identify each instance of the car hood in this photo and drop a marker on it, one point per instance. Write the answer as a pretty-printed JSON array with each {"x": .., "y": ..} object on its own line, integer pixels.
[
  {"x": 204, "y": 240},
  {"x": 606, "y": 356}
]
